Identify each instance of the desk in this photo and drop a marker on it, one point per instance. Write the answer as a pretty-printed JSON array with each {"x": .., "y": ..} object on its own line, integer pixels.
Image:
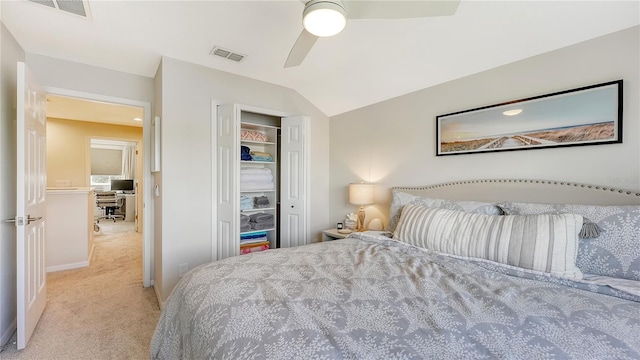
[{"x": 129, "y": 206}]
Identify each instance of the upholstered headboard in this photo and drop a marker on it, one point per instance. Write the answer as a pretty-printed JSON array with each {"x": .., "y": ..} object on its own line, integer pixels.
[{"x": 527, "y": 190}]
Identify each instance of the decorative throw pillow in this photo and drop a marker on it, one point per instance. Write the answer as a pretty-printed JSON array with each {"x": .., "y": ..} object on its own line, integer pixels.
[
  {"x": 400, "y": 199},
  {"x": 546, "y": 242},
  {"x": 615, "y": 252}
]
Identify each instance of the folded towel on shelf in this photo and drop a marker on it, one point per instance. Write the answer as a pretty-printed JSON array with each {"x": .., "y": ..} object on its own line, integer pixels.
[
  {"x": 255, "y": 246},
  {"x": 260, "y": 156},
  {"x": 260, "y": 153},
  {"x": 254, "y": 170},
  {"x": 262, "y": 226},
  {"x": 256, "y": 175},
  {"x": 266, "y": 178},
  {"x": 253, "y": 249},
  {"x": 252, "y": 135},
  {"x": 261, "y": 217},
  {"x": 264, "y": 243},
  {"x": 245, "y": 153},
  {"x": 253, "y": 235},
  {"x": 261, "y": 202},
  {"x": 246, "y": 202},
  {"x": 253, "y": 241},
  {"x": 244, "y": 219},
  {"x": 246, "y": 243},
  {"x": 246, "y": 227},
  {"x": 250, "y": 242},
  {"x": 257, "y": 186}
]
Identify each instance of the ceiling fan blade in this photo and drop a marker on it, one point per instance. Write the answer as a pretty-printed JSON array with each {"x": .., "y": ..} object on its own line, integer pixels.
[
  {"x": 300, "y": 49},
  {"x": 400, "y": 9}
]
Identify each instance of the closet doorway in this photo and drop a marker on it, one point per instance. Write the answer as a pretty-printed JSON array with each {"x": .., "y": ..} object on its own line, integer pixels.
[{"x": 77, "y": 117}]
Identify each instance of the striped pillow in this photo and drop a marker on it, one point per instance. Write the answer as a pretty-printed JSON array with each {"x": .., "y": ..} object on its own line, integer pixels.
[{"x": 546, "y": 242}]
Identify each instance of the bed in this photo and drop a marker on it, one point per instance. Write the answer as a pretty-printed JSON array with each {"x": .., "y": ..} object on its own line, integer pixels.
[{"x": 481, "y": 269}]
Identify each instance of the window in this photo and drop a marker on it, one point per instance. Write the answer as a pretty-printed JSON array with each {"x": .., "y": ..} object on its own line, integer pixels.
[
  {"x": 107, "y": 162},
  {"x": 104, "y": 181}
]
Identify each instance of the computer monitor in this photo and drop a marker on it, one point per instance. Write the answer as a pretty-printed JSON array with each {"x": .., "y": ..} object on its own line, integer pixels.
[{"x": 122, "y": 185}]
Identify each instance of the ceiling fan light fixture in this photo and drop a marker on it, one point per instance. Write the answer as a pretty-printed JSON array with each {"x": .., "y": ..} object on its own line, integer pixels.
[
  {"x": 324, "y": 18},
  {"x": 512, "y": 112}
]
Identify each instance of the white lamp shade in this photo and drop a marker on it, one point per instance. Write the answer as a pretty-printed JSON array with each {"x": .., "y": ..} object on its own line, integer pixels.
[
  {"x": 361, "y": 194},
  {"x": 324, "y": 18}
]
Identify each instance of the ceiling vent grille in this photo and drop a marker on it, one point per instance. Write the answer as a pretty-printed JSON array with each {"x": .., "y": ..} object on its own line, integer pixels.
[
  {"x": 227, "y": 54},
  {"x": 74, "y": 7}
]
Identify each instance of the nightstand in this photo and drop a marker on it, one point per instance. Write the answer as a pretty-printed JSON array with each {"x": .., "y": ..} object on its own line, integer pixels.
[{"x": 332, "y": 234}]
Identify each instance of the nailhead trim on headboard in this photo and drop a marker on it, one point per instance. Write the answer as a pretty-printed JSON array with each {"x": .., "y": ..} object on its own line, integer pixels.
[{"x": 546, "y": 182}]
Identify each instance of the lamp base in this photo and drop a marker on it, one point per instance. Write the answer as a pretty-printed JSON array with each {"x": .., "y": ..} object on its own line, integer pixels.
[{"x": 360, "y": 223}]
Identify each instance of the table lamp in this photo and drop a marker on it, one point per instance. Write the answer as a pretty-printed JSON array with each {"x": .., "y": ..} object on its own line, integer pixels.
[{"x": 361, "y": 194}]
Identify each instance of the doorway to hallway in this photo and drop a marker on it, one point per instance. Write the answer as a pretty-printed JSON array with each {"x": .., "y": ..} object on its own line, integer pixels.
[{"x": 103, "y": 125}]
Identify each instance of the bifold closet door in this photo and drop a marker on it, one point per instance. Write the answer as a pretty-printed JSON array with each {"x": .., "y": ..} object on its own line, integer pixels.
[
  {"x": 227, "y": 207},
  {"x": 294, "y": 178}
]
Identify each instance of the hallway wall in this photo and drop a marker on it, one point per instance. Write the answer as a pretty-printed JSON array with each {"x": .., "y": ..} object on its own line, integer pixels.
[
  {"x": 68, "y": 143},
  {"x": 68, "y": 147}
]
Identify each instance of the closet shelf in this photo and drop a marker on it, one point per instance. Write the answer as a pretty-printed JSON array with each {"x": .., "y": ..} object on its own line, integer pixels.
[
  {"x": 257, "y": 191},
  {"x": 256, "y": 162},
  {"x": 257, "y": 209},
  {"x": 257, "y": 142}
]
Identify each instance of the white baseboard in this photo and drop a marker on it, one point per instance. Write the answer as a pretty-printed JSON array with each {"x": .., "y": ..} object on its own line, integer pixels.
[
  {"x": 8, "y": 333},
  {"x": 68, "y": 266},
  {"x": 160, "y": 302},
  {"x": 73, "y": 265},
  {"x": 93, "y": 247}
]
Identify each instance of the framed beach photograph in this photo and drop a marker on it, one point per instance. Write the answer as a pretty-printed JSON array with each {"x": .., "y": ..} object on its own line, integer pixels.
[{"x": 590, "y": 115}]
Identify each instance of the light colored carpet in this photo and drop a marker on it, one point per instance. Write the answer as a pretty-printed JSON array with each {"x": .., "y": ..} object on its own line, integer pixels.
[
  {"x": 111, "y": 227},
  {"x": 98, "y": 312}
]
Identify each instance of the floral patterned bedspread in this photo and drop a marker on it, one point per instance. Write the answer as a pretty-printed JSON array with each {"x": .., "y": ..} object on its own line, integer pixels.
[{"x": 368, "y": 297}]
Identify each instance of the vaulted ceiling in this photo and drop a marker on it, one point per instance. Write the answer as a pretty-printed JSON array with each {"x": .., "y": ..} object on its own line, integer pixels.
[{"x": 370, "y": 61}]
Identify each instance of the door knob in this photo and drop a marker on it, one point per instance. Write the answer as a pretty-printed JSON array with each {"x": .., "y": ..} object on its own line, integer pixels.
[
  {"x": 31, "y": 219},
  {"x": 19, "y": 221}
]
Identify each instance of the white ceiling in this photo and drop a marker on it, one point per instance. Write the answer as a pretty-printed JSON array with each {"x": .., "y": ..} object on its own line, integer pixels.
[
  {"x": 370, "y": 61},
  {"x": 68, "y": 108}
]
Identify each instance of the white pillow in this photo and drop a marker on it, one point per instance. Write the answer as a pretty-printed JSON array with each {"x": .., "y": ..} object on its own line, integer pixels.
[
  {"x": 400, "y": 199},
  {"x": 545, "y": 242}
]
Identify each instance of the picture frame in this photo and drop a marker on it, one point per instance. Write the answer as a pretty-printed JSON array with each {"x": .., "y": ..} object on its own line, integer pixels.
[{"x": 589, "y": 115}]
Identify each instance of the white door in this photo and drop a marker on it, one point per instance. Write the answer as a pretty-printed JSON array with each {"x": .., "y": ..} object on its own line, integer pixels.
[
  {"x": 228, "y": 173},
  {"x": 294, "y": 178},
  {"x": 31, "y": 185}
]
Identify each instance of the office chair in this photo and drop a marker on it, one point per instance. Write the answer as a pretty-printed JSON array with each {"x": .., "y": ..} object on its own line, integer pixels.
[{"x": 108, "y": 201}]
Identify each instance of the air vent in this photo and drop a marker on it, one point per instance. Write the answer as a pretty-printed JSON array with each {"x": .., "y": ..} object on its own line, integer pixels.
[
  {"x": 75, "y": 7},
  {"x": 227, "y": 54}
]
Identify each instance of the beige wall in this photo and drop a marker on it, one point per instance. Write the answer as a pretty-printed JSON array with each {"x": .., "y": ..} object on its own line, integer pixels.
[
  {"x": 68, "y": 156},
  {"x": 68, "y": 147},
  {"x": 393, "y": 142},
  {"x": 187, "y": 165}
]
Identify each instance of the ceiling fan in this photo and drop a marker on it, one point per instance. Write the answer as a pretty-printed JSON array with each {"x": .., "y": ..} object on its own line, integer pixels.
[{"x": 324, "y": 18}]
